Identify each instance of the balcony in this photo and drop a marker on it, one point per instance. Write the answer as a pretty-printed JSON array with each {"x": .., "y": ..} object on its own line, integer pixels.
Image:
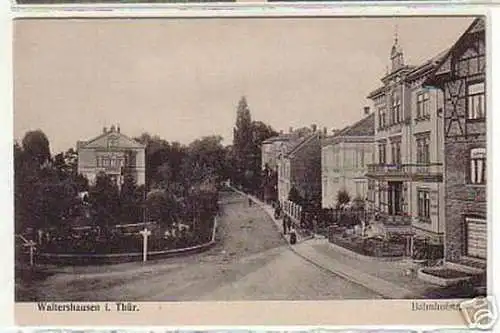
[
  {"x": 110, "y": 170},
  {"x": 416, "y": 172}
]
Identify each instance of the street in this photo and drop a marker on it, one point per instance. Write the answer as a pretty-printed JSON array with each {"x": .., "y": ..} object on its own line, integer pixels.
[{"x": 251, "y": 261}]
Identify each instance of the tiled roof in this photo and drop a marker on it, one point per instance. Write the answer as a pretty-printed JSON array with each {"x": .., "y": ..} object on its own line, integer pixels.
[
  {"x": 364, "y": 127},
  {"x": 295, "y": 145}
]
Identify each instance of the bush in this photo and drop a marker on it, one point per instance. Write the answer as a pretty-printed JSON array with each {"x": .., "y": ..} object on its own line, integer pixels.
[
  {"x": 422, "y": 250},
  {"x": 125, "y": 243},
  {"x": 369, "y": 247}
]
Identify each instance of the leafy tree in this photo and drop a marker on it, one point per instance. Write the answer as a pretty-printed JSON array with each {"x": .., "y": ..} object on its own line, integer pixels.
[
  {"x": 243, "y": 144},
  {"x": 248, "y": 136},
  {"x": 343, "y": 198},
  {"x": 36, "y": 147},
  {"x": 358, "y": 203},
  {"x": 66, "y": 164},
  {"x": 105, "y": 201},
  {"x": 162, "y": 207},
  {"x": 131, "y": 200}
]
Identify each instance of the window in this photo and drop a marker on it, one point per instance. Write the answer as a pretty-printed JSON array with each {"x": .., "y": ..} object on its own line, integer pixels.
[
  {"x": 395, "y": 198},
  {"x": 478, "y": 166},
  {"x": 423, "y": 154},
  {"x": 423, "y": 105},
  {"x": 475, "y": 101},
  {"x": 424, "y": 210},
  {"x": 396, "y": 152},
  {"x": 381, "y": 153},
  {"x": 381, "y": 117},
  {"x": 396, "y": 109}
]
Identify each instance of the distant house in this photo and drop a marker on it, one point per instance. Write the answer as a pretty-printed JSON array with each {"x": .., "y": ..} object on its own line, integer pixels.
[
  {"x": 300, "y": 167},
  {"x": 461, "y": 75},
  {"x": 114, "y": 154},
  {"x": 271, "y": 149},
  {"x": 344, "y": 160}
]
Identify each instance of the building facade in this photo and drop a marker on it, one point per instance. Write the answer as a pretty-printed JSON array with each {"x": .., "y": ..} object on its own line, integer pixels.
[
  {"x": 300, "y": 167},
  {"x": 462, "y": 78},
  {"x": 405, "y": 182},
  {"x": 344, "y": 160},
  {"x": 114, "y": 154},
  {"x": 271, "y": 149}
]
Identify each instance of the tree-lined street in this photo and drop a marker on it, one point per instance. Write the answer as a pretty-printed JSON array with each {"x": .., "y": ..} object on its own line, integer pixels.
[{"x": 251, "y": 261}]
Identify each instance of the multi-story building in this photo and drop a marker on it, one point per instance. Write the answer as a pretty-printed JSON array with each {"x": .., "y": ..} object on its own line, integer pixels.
[
  {"x": 113, "y": 153},
  {"x": 462, "y": 78},
  {"x": 271, "y": 149},
  {"x": 344, "y": 160},
  {"x": 300, "y": 167},
  {"x": 405, "y": 182}
]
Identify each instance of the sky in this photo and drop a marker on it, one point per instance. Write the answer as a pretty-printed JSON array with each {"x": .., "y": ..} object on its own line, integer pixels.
[{"x": 182, "y": 78}]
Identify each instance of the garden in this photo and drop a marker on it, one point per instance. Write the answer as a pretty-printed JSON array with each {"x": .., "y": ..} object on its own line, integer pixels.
[{"x": 65, "y": 215}]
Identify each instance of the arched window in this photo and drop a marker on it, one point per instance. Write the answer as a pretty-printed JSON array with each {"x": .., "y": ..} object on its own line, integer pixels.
[{"x": 477, "y": 174}]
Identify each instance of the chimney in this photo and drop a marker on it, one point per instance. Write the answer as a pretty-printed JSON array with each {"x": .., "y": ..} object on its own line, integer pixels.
[
  {"x": 118, "y": 128},
  {"x": 104, "y": 130},
  {"x": 281, "y": 132},
  {"x": 314, "y": 127},
  {"x": 366, "y": 110},
  {"x": 325, "y": 131},
  {"x": 290, "y": 129}
]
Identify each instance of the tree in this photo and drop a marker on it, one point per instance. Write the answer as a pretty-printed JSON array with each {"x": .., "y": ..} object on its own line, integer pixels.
[
  {"x": 66, "y": 164},
  {"x": 36, "y": 147},
  {"x": 294, "y": 196},
  {"x": 131, "y": 200},
  {"x": 358, "y": 203},
  {"x": 162, "y": 207},
  {"x": 105, "y": 202},
  {"x": 248, "y": 136},
  {"x": 243, "y": 144},
  {"x": 343, "y": 198}
]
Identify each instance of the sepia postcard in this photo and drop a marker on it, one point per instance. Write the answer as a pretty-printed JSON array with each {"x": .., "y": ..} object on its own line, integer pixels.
[{"x": 252, "y": 171}]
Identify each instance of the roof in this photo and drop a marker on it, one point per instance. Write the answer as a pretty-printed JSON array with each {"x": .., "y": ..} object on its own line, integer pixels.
[
  {"x": 428, "y": 65},
  {"x": 296, "y": 145},
  {"x": 363, "y": 127},
  {"x": 281, "y": 137},
  {"x": 100, "y": 141},
  {"x": 477, "y": 25}
]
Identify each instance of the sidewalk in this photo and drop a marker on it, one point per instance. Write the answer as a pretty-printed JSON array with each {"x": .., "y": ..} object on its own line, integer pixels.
[{"x": 390, "y": 279}]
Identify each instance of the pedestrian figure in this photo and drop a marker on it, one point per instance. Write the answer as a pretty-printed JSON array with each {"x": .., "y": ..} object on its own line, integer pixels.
[
  {"x": 293, "y": 236},
  {"x": 285, "y": 226},
  {"x": 288, "y": 223},
  {"x": 277, "y": 213},
  {"x": 249, "y": 202}
]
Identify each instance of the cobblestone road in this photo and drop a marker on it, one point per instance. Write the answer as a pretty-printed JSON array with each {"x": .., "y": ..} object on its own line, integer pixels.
[{"x": 250, "y": 262}]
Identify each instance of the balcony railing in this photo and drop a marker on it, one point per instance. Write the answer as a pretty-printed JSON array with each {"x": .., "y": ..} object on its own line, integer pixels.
[
  {"x": 395, "y": 220},
  {"x": 406, "y": 170},
  {"x": 110, "y": 169}
]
